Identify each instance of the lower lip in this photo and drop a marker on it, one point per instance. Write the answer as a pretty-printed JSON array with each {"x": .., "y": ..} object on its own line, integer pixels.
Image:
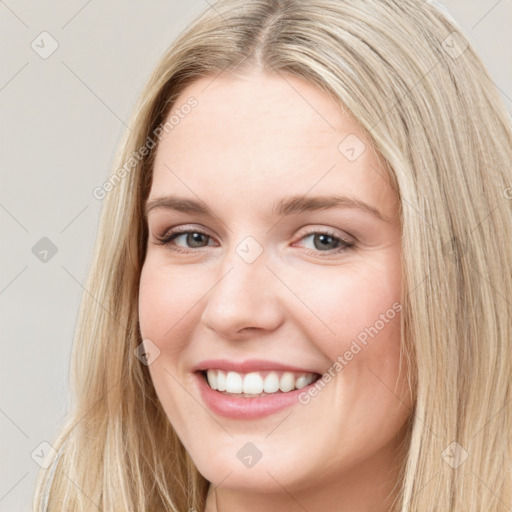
[{"x": 246, "y": 408}]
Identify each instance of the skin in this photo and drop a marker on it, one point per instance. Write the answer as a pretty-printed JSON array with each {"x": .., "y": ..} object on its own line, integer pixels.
[{"x": 252, "y": 140}]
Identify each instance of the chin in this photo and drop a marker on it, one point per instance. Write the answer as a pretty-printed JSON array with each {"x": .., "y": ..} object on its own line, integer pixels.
[{"x": 229, "y": 470}]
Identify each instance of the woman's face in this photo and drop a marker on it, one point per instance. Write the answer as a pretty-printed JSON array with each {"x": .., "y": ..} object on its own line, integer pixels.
[{"x": 272, "y": 282}]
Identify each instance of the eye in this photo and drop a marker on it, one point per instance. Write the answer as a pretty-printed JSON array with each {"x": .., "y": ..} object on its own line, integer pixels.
[
  {"x": 193, "y": 239},
  {"x": 327, "y": 242}
]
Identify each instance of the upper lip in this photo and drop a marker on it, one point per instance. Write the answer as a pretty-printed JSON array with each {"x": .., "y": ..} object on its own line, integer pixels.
[{"x": 247, "y": 366}]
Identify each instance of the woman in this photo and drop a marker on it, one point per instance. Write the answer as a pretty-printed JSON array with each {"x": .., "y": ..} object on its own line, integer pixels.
[{"x": 300, "y": 294}]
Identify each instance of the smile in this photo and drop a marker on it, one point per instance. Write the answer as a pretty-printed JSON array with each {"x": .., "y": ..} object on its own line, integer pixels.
[
  {"x": 252, "y": 388},
  {"x": 257, "y": 383}
]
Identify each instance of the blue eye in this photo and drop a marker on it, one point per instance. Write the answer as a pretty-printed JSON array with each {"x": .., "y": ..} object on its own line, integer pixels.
[
  {"x": 193, "y": 239},
  {"x": 328, "y": 241}
]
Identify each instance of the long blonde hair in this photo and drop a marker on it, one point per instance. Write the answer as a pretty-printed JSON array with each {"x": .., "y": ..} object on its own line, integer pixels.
[{"x": 404, "y": 70}]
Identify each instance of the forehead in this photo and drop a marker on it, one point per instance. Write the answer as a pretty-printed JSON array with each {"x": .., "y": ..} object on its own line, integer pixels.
[{"x": 259, "y": 136}]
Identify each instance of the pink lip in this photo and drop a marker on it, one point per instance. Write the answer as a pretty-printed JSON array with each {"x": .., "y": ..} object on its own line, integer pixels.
[
  {"x": 250, "y": 365},
  {"x": 236, "y": 407}
]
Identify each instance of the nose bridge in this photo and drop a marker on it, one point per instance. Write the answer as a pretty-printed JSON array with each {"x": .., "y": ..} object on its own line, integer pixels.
[
  {"x": 243, "y": 295},
  {"x": 244, "y": 270}
]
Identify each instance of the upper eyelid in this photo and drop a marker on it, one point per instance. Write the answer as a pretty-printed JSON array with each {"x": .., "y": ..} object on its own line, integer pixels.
[{"x": 178, "y": 230}]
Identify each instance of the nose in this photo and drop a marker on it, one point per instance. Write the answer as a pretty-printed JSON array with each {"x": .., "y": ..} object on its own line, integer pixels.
[{"x": 245, "y": 299}]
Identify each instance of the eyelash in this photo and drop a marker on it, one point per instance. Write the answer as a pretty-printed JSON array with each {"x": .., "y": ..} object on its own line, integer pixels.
[{"x": 167, "y": 237}]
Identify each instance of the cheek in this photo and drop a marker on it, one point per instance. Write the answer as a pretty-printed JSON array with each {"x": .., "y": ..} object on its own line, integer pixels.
[
  {"x": 167, "y": 298},
  {"x": 356, "y": 303}
]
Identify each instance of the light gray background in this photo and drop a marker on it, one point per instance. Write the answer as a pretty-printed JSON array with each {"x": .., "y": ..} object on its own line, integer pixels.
[{"x": 61, "y": 120}]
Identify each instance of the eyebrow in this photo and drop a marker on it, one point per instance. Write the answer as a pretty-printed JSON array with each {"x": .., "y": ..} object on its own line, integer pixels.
[{"x": 286, "y": 206}]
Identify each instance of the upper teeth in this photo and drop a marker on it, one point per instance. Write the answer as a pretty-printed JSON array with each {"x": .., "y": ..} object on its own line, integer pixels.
[{"x": 255, "y": 383}]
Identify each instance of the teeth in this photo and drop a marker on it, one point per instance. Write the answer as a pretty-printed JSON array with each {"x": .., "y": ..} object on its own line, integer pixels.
[
  {"x": 302, "y": 382},
  {"x": 287, "y": 382},
  {"x": 257, "y": 383},
  {"x": 221, "y": 380},
  {"x": 234, "y": 382},
  {"x": 213, "y": 380},
  {"x": 253, "y": 384},
  {"x": 271, "y": 383}
]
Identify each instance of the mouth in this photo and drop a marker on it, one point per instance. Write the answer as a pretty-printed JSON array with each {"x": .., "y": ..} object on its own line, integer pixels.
[
  {"x": 257, "y": 384},
  {"x": 253, "y": 388}
]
